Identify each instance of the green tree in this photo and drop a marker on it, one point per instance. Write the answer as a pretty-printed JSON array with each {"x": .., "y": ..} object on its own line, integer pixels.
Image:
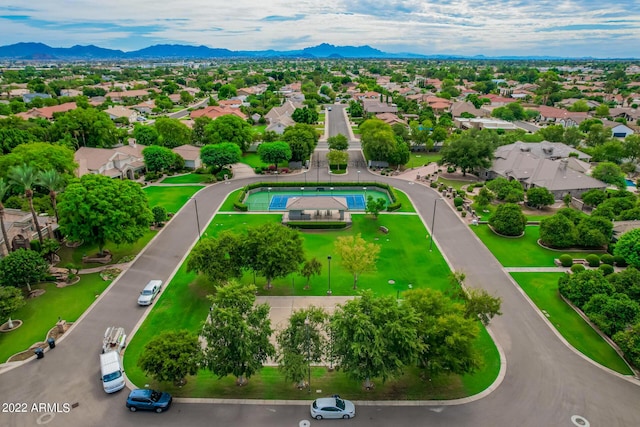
[
  {"x": 627, "y": 282},
  {"x": 507, "y": 190},
  {"x": 4, "y": 187},
  {"x": 552, "y": 133},
  {"x": 22, "y": 268},
  {"x": 159, "y": 215},
  {"x": 230, "y": 128},
  {"x": 97, "y": 209},
  {"x": 172, "y": 132},
  {"x": 273, "y": 250},
  {"x": 628, "y": 247},
  {"x": 594, "y": 197},
  {"x": 24, "y": 177},
  {"x": 158, "y": 159},
  {"x": 594, "y": 231},
  {"x": 88, "y": 127},
  {"x": 612, "y": 313},
  {"x": 484, "y": 198},
  {"x": 218, "y": 258},
  {"x": 374, "y": 206},
  {"x": 302, "y": 343},
  {"x": 481, "y": 305},
  {"x": 377, "y": 139},
  {"x": 198, "y": 131},
  {"x": 580, "y": 286},
  {"x": 508, "y": 220},
  {"x": 311, "y": 267},
  {"x": 217, "y": 156},
  {"x": 632, "y": 147},
  {"x": 305, "y": 115},
  {"x": 53, "y": 182},
  {"x": 357, "y": 255},
  {"x": 446, "y": 336},
  {"x": 302, "y": 139},
  {"x": 145, "y": 135},
  {"x": 274, "y": 152},
  {"x": 171, "y": 356},
  {"x": 467, "y": 153},
  {"x": 609, "y": 173},
  {"x": 338, "y": 142},
  {"x": 629, "y": 342},
  {"x": 337, "y": 158},
  {"x": 355, "y": 109},
  {"x": 41, "y": 156},
  {"x": 374, "y": 337},
  {"x": 572, "y": 136},
  {"x": 558, "y": 231},
  {"x": 237, "y": 333},
  {"x": 11, "y": 299},
  {"x": 539, "y": 197}
]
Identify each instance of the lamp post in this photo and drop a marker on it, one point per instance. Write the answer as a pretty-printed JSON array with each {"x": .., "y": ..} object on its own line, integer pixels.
[
  {"x": 195, "y": 203},
  {"x": 302, "y": 190},
  {"x": 268, "y": 198},
  {"x": 365, "y": 193},
  {"x": 276, "y": 174},
  {"x": 358, "y": 177},
  {"x": 329, "y": 260},
  {"x": 306, "y": 326},
  {"x": 305, "y": 176},
  {"x": 433, "y": 222},
  {"x": 331, "y": 190}
]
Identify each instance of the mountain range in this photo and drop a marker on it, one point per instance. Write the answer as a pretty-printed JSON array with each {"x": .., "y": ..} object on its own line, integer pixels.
[{"x": 43, "y": 52}]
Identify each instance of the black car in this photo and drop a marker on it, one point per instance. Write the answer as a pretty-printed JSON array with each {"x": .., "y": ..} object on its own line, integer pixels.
[{"x": 150, "y": 400}]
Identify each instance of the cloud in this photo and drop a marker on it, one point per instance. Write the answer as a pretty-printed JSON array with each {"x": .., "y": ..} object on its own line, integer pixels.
[{"x": 514, "y": 27}]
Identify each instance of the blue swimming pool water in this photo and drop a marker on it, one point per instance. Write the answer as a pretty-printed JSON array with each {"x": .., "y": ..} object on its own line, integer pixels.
[{"x": 630, "y": 183}]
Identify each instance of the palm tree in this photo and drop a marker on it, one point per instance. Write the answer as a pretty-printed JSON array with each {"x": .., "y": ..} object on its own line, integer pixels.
[
  {"x": 52, "y": 181},
  {"x": 4, "y": 187},
  {"x": 24, "y": 176}
]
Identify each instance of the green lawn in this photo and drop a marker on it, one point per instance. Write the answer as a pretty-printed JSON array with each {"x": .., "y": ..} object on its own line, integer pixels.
[
  {"x": 259, "y": 128},
  {"x": 227, "y": 205},
  {"x": 457, "y": 184},
  {"x": 253, "y": 160},
  {"x": 183, "y": 305},
  {"x": 421, "y": 159},
  {"x": 171, "y": 198},
  {"x": 191, "y": 178},
  {"x": 542, "y": 288},
  {"x": 41, "y": 314},
  {"x": 118, "y": 252},
  {"x": 521, "y": 251}
]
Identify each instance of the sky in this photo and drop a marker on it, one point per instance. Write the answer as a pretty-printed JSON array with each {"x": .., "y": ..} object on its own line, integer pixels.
[{"x": 565, "y": 28}]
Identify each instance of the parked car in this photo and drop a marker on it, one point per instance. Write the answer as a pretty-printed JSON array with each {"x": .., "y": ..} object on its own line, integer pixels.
[
  {"x": 149, "y": 400},
  {"x": 150, "y": 292},
  {"x": 332, "y": 407}
]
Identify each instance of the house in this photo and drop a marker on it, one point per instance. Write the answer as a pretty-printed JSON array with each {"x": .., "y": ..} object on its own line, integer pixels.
[
  {"x": 545, "y": 149},
  {"x": 120, "y": 162},
  {"x": 560, "y": 116},
  {"x": 20, "y": 228},
  {"x": 391, "y": 119},
  {"x": 279, "y": 124},
  {"x": 374, "y": 106},
  {"x": 215, "y": 111},
  {"x": 618, "y": 130},
  {"x": 138, "y": 93},
  {"x": 145, "y": 107},
  {"x": 122, "y": 112},
  {"x": 190, "y": 154},
  {"x": 483, "y": 123},
  {"x": 459, "y": 107},
  {"x": 285, "y": 110},
  {"x": 517, "y": 162}
]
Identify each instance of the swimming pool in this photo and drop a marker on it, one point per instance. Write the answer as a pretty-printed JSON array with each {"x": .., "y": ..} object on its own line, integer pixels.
[
  {"x": 630, "y": 183},
  {"x": 272, "y": 200}
]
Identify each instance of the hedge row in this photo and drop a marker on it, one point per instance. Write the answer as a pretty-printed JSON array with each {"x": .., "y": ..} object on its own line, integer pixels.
[{"x": 317, "y": 225}]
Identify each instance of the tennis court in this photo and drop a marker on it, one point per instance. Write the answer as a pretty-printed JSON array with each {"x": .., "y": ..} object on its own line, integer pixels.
[{"x": 277, "y": 200}]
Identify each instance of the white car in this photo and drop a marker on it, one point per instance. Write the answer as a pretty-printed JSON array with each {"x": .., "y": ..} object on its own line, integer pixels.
[
  {"x": 332, "y": 407},
  {"x": 150, "y": 292}
]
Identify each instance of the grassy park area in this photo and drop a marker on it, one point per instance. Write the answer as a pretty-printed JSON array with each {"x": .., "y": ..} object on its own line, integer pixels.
[
  {"x": 542, "y": 288},
  {"x": 421, "y": 159},
  {"x": 190, "y": 178},
  {"x": 40, "y": 314},
  {"x": 171, "y": 198},
  {"x": 183, "y": 305}
]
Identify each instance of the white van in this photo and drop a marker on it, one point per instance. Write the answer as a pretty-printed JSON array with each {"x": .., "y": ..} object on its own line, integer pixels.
[
  {"x": 111, "y": 370},
  {"x": 149, "y": 292}
]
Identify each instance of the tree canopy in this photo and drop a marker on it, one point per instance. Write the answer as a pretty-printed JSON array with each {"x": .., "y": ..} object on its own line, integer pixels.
[
  {"x": 467, "y": 153},
  {"x": 171, "y": 356},
  {"x": 274, "y": 152},
  {"x": 22, "y": 268},
  {"x": 229, "y": 128},
  {"x": 217, "y": 156},
  {"x": 357, "y": 256},
  {"x": 508, "y": 220},
  {"x": 98, "y": 209},
  {"x": 628, "y": 247},
  {"x": 11, "y": 299}
]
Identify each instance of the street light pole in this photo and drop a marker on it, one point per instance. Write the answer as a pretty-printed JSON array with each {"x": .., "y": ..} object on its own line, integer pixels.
[
  {"x": 329, "y": 260},
  {"x": 433, "y": 222},
  {"x": 195, "y": 202},
  {"x": 305, "y": 177},
  {"x": 268, "y": 198},
  {"x": 358, "y": 177},
  {"x": 306, "y": 325}
]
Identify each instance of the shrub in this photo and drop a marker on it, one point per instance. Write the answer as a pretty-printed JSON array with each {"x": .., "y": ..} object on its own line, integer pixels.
[
  {"x": 458, "y": 201},
  {"x": 200, "y": 171},
  {"x": 566, "y": 260},
  {"x": 606, "y": 269},
  {"x": 284, "y": 170},
  {"x": 433, "y": 184},
  {"x": 619, "y": 261},
  {"x": 258, "y": 170},
  {"x": 451, "y": 169},
  {"x": 508, "y": 220},
  {"x": 577, "y": 267},
  {"x": 240, "y": 207},
  {"x": 607, "y": 259},
  {"x": 459, "y": 208},
  {"x": 593, "y": 260},
  {"x": 35, "y": 245},
  {"x": 464, "y": 214}
]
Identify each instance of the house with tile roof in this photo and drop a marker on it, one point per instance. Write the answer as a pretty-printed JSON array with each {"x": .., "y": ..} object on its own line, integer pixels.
[
  {"x": 119, "y": 111},
  {"x": 560, "y": 116},
  {"x": 47, "y": 112},
  {"x": 215, "y": 111},
  {"x": 119, "y": 162}
]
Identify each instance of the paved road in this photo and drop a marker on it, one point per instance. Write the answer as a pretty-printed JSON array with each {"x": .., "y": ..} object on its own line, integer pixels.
[{"x": 545, "y": 382}]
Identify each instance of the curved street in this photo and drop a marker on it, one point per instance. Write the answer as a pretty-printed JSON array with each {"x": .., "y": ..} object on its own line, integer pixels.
[{"x": 546, "y": 383}]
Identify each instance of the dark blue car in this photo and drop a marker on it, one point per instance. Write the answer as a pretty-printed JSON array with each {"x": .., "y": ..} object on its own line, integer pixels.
[{"x": 150, "y": 400}]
